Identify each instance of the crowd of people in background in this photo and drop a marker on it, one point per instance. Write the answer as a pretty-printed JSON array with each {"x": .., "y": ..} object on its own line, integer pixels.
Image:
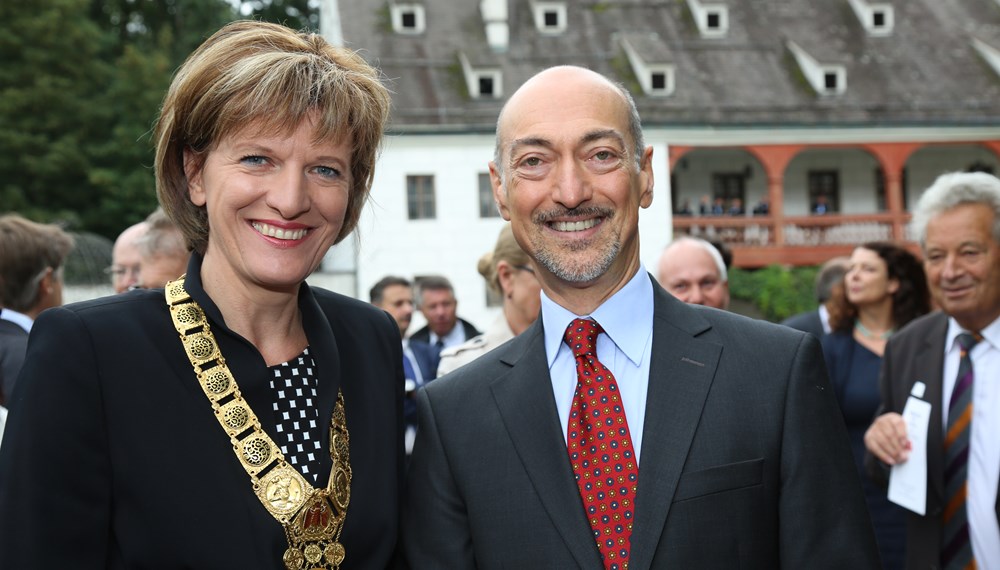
[{"x": 767, "y": 445}]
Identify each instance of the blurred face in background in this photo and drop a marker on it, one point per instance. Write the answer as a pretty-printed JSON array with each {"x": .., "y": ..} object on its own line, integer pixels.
[
  {"x": 867, "y": 280},
  {"x": 440, "y": 309},
  {"x": 689, "y": 273},
  {"x": 522, "y": 295},
  {"x": 126, "y": 259},
  {"x": 397, "y": 300},
  {"x": 962, "y": 261}
]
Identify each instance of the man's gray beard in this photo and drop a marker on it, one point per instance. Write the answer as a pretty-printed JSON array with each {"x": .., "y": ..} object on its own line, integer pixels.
[{"x": 565, "y": 270}]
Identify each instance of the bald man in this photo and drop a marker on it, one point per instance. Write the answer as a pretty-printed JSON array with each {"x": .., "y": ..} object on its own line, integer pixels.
[
  {"x": 693, "y": 270},
  {"x": 624, "y": 429},
  {"x": 126, "y": 258}
]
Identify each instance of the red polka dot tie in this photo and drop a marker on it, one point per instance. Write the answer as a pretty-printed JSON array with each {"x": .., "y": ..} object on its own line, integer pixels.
[{"x": 600, "y": 448}]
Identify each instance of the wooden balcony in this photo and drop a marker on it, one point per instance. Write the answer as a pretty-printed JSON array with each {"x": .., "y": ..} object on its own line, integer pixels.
[{"x": 758, "y": 241}]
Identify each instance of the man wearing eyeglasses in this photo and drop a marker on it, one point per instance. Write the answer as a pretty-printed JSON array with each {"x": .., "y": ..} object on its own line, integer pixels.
[
  {"x": 126, "y": 258},
  {"x": 31, "y": 260}
]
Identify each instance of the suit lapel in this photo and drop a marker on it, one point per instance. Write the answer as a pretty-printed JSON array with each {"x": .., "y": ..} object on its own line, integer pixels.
[
  {"x": 930, "y": 358},
  {"x": 524, "y": 398},
  {"x": 680, "y": 374}
]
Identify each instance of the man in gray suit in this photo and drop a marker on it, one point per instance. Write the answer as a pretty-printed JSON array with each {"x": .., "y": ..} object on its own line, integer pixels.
[
  {"x": 678, "y": 437},
  {"x": 957, "y": 221}
]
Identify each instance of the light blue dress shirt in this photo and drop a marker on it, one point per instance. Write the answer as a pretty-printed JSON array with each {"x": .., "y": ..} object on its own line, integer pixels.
[{"x": 625, "y": 348}]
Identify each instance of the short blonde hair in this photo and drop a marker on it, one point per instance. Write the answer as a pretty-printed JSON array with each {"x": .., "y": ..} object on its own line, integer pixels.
[
  {"x": 269, "y": 77},
  {"x": 506, "y": 249}
]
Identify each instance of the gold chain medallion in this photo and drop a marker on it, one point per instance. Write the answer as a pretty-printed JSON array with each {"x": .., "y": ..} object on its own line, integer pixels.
[{"x": 312, "y": 518}]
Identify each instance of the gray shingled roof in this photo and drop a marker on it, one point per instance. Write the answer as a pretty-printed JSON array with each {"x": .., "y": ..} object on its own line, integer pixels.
[{"x": 925, "y": 73}]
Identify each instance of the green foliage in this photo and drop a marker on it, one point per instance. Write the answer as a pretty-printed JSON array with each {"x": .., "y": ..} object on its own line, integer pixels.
[
  {"x": 80, "y": 89},
  {"x": 779, "y": 292}
]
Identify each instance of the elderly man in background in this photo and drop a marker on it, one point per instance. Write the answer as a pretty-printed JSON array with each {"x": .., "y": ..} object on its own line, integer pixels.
[
  {"x": 163, "y": 254},
  {"x": 948, "y": 362},
  {"x": 126, "y": 258},
  {"x": 438, "y": 304},
  {"x": 32, "y": 256},
  {"x": 693, "y": 270}
]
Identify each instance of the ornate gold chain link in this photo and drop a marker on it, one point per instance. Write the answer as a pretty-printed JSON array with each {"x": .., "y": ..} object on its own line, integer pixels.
[{"x": 312, "y": 518}]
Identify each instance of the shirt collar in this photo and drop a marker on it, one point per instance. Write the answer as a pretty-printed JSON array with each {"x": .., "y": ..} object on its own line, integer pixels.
[
  {"x": 990, "y": 334},
  {"x": 19, "y": 319},
  {"x": 627, "y": 318}
]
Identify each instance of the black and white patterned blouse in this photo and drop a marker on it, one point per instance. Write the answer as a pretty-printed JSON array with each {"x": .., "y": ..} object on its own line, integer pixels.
[{"x": 295, "y": 391}]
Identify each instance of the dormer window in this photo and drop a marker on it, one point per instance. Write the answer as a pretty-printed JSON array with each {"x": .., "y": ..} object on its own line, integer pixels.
[
  {"x": 711, "y": 18},
  {"x": 656, "y": 79},
  {"x": 487, "y": 86},
  {"x": 408, "y": 18},
  {"x": 550, "y": 17},
  {"x": 825, "y": 79},
  {"x": 830, "y": 80},
  {"x": 877, "y": 19},
  {"x": 482, "y": 83}
]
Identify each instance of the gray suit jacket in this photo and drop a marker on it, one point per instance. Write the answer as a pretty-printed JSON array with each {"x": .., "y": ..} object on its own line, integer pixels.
[
  {"x": 916, "y": 353},
  {"x": 745, "y": 460}
]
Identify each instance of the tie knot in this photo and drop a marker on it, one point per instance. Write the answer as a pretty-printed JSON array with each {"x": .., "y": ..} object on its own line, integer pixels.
[
  {"x": 968, "y": 340},
  {"x": 581, "y": 336}
]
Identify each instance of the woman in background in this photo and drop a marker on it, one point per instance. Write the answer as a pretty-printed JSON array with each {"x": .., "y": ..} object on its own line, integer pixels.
[
  {"x": 507, "y": 270},
  {"x": 237, "y": 418},
  {"x": 883, "y": 290}
]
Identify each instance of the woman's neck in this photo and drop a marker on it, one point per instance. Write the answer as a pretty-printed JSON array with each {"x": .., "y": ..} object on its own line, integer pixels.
[{"x": 269, "y": 320}]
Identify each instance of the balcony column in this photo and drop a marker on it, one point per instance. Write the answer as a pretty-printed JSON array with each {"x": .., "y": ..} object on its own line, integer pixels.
[
  {"x": 775, "y": 159},
  {"x": 892, "y": 158}
]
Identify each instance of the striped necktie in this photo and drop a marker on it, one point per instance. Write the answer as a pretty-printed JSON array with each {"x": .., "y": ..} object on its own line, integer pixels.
[{"x": 956, "y": 549}]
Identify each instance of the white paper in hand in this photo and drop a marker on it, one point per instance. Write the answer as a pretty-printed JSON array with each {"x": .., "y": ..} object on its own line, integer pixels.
[{"x": 908, "y": 480}]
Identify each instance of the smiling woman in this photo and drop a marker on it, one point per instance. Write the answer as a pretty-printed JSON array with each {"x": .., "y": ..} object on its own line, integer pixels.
[{"x": 237, "y": 389}]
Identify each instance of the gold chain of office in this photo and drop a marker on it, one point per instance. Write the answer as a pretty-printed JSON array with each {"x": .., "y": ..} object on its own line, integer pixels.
[{"x": 312, "y": 518}]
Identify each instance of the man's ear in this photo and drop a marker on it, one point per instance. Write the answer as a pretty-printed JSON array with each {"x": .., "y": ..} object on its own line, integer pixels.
[
  {"x": 193, "y": 163},
  {"x": 499, "y": 192},
  {"x": 646, "y": 178}
]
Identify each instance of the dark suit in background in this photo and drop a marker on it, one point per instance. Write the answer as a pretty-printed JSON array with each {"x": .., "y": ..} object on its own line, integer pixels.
[
  {"x": 426, "y": 360},
  {"x": 424, "y": 334},
  {"x": 744, "y": 464},
  {"x": 13, "y": 344},
  {"x": 809, "y": 322}
]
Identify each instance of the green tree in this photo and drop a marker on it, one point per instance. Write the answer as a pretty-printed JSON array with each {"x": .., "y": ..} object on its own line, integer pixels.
[{"x": 53, "y": 72}]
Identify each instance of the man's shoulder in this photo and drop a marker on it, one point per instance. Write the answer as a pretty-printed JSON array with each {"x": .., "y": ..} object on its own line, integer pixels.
[
  {"x": 423, "y": 334},
  {"x": 801, "y": 319},
  {"x": 922, "y": 329}
]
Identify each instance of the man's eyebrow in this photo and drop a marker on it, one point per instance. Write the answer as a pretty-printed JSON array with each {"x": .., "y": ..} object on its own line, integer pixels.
[
  {"x": 530, "y": 141},
  {"x": 593, "y": 136}
]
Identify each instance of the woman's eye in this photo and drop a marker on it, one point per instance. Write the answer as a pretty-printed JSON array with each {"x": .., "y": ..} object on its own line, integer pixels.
[
  {"x": 253, "y": 160},
  {"x": 327, "y": 172}
]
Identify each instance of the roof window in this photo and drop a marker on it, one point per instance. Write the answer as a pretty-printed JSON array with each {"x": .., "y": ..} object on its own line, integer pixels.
[
  {"x": 408, "y": 18},
  {"x": 550, "y": 17}
]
